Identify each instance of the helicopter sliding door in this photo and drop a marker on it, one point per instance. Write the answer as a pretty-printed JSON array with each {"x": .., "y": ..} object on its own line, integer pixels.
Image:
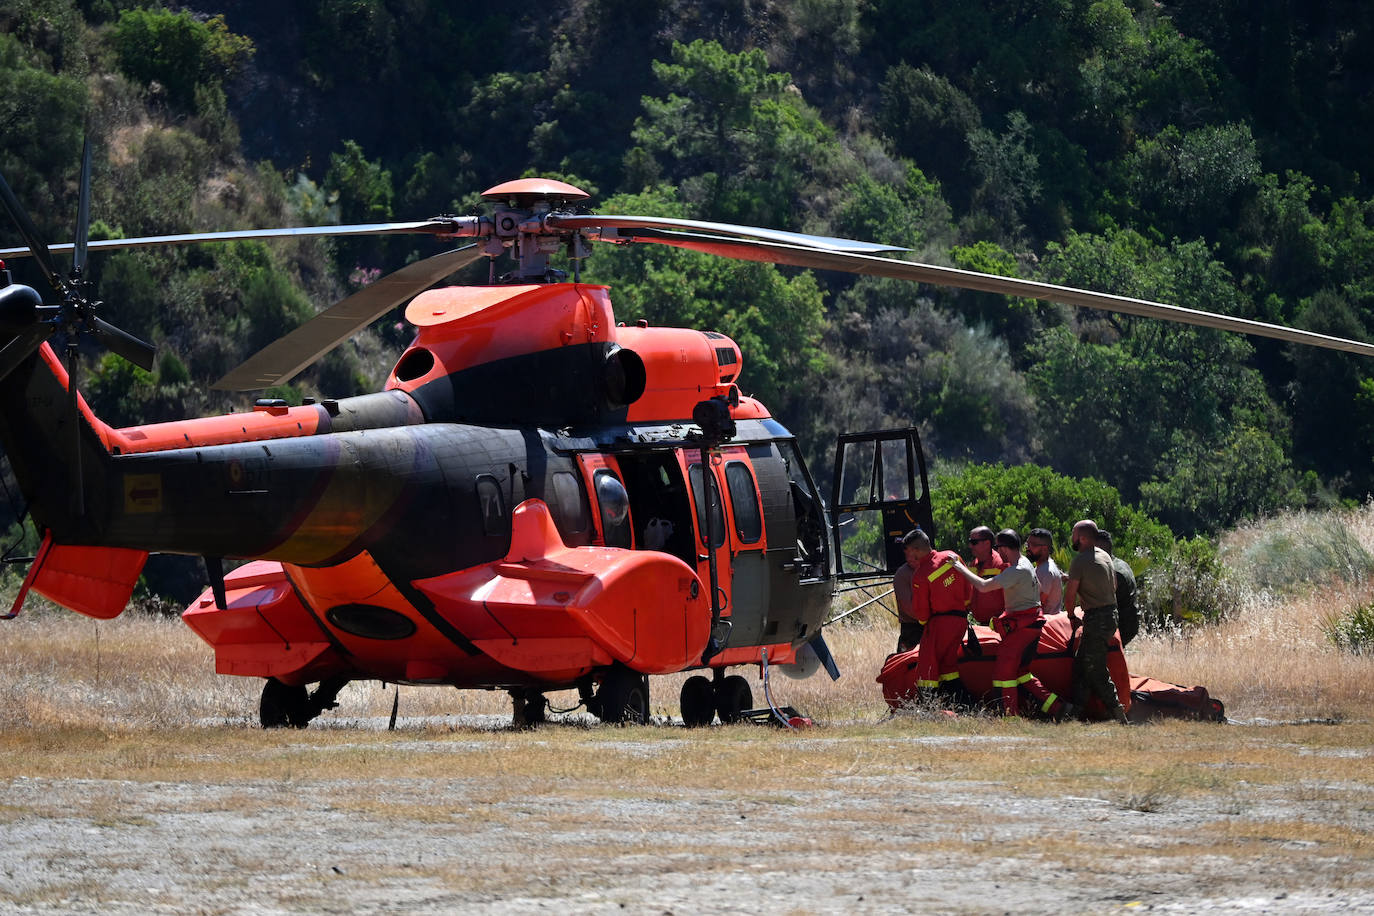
[
  {"x": 717, "y": 542},
  {"x": 880, "y": 493},
  {"x": 747, "y": 544}
]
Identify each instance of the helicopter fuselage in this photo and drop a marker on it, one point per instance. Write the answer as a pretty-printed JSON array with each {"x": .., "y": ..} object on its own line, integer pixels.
[{"x": 514, "y": 510}]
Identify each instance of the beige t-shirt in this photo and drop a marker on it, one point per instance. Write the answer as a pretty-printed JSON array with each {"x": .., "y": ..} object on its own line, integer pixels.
[{"x": 1020, "y": 587}]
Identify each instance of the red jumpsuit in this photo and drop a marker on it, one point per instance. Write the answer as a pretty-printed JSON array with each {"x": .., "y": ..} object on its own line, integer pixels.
[
  {"x": 940, "y": 600},
  {"x": 987, "y": 605},
  {"x": 1011, "y": 671}
]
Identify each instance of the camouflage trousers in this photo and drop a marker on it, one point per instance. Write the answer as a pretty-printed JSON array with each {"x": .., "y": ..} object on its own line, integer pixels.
[{"x": 1090, "y": 675}]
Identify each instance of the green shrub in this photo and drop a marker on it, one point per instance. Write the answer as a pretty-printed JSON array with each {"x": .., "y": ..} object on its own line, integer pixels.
[
  {"x": 1352, "y": 630},
  {"x": 1187, "y": 584}
]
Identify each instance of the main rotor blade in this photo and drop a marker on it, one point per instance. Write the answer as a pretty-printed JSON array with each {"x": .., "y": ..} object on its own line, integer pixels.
[
  {"x": 795, "y": 256},
  {"x": 83, "y": 212},
  {"x": 825, "y": 242},
  {"x": 37, "y": 247},
  {"x": 281, "y": 360},
  {"x": 444, "y": 226},
  {"x": 119, "y": 341}
]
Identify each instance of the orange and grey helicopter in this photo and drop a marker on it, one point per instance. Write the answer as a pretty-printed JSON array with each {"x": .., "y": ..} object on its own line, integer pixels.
[{"x": 540, "y": 498}]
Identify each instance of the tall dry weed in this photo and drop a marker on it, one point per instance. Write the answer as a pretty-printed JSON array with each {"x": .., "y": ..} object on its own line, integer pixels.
[{"x": 1299, "y": 551}]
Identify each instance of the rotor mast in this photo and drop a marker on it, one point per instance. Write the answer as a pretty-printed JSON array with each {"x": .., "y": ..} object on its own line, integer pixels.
[{"x": 520, "y": 223}]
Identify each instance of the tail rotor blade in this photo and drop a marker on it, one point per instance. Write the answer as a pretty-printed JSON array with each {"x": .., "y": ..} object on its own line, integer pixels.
[{"x": 136, "y": 351}]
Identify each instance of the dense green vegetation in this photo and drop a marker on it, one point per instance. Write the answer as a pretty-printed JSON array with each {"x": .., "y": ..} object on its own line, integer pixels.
[{"x": 1211, "y": 155}]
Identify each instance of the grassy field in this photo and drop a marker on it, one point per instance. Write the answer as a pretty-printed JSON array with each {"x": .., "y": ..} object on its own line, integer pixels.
[{"x": 137, "y": 781}]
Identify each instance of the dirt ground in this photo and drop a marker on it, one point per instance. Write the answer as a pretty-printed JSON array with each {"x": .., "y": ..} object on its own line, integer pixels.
[
  {"x": 892, "y": 816},
  {"x": 136, "y": 781}
]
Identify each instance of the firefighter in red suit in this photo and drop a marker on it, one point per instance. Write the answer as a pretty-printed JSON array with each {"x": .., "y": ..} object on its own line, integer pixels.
[
  {"x": 940, "y": 601},
  {"x": 986, "y": 564},
  {"x": 1019, "y": 625}
]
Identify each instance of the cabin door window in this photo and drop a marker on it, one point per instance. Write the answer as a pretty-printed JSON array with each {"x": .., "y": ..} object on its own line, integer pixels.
[{"x": 610, "y": 500}]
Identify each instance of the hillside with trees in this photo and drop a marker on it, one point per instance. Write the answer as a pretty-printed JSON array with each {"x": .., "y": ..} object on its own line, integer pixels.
[{"x": 1213, "y": 156}]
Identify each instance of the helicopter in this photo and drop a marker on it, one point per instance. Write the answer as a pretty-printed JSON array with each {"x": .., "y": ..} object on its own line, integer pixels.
[{"x": 539, "y": 499}]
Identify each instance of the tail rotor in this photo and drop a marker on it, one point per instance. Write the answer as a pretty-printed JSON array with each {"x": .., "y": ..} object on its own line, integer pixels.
[{"x": 31, "y": 323}]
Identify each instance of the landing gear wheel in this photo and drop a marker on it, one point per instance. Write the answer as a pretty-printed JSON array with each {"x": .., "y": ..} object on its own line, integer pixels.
[
  {"x": 733, "y": 697},
  {"x": 284, "y": 706},
  {"x": 623, "y": 697},
  {"x": 529, "y": 708},
  {"x": 698, "y": 701}
]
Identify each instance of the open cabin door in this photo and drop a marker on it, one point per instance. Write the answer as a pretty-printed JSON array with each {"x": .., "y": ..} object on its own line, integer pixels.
[{"x": 880, "y": 494}]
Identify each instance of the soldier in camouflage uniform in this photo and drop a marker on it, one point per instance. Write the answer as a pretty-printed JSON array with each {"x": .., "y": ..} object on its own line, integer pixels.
[{"x": 1092, "y": 583}]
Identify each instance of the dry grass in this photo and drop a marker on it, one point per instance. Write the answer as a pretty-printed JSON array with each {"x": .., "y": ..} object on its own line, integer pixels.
[{"x": 1268, "y": 660}]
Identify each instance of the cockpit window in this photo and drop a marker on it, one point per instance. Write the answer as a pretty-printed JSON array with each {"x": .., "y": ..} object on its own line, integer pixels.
[
  {"x": 699, "y": 497},
  {"x": 745, "y": 500}
]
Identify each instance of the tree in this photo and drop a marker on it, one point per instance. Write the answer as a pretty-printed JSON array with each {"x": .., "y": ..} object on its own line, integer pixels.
[
  {"x": 929, "y": 120},
  {"x": 41, "y": 144},
  {"x": 1027, "y": 496},
  {"x": 1330, "y": 398},
  {"x": 365, "y": 193},
  {"x": 1007, "y": 174},
  {"x": 1191, "y": 180},
  {"x": 1138, "y": 400},
  {"x": 910, "y": 212},
  {"x": 178, "y": 51},
  {"x": 742, "y": 146},
  {"x": 899, "y": 361}
]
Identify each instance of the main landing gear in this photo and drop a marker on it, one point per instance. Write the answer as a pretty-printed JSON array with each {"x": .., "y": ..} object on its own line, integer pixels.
[
  {"x": 288, "y": 706},
  {"x": 702, "y": 699},
  {"x": 622, "y": 698},
  {"x": 529, "y": 708}
]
